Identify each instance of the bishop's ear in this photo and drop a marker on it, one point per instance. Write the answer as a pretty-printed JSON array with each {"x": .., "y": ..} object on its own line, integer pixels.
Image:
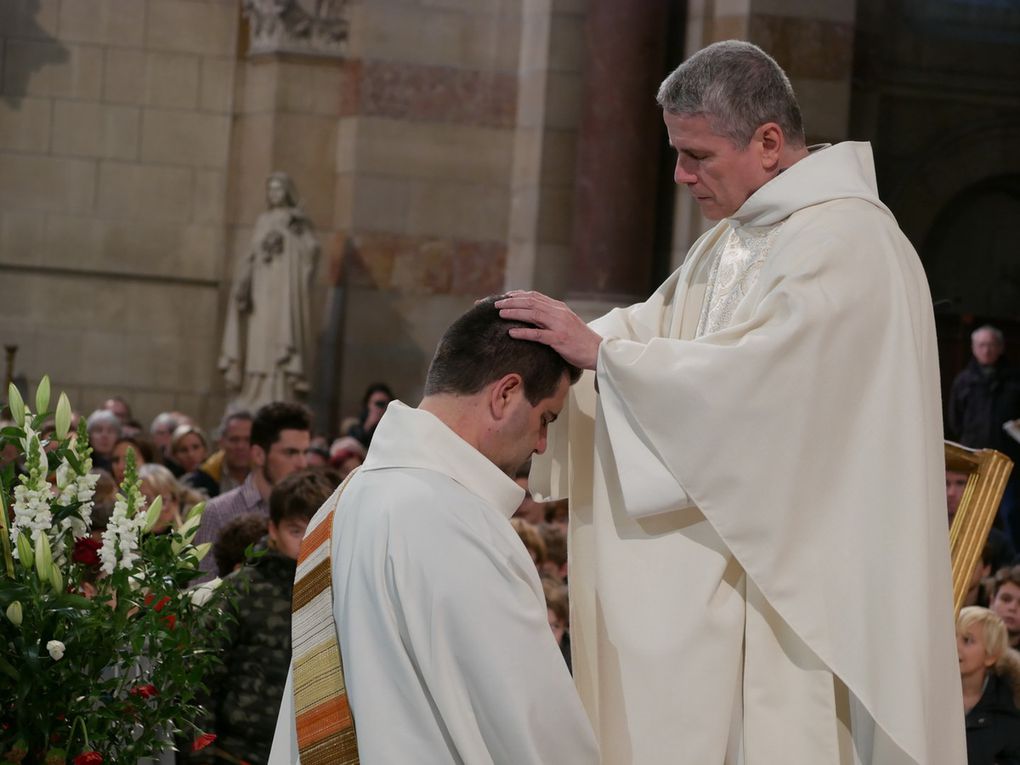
[
  {"x": 771, "y": 140},
  {"x": 503, "y": 393}
]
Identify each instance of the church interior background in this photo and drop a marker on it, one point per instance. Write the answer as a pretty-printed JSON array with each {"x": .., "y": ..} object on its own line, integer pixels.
[{"x": 444, "y": 150}]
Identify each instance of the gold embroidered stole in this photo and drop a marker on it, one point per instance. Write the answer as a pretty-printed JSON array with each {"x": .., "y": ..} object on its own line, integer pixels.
[{"x": 325, "y": 725}]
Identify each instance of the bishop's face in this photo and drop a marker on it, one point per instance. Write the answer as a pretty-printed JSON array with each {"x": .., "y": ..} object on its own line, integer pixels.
[{"x": 719, "y": 176}]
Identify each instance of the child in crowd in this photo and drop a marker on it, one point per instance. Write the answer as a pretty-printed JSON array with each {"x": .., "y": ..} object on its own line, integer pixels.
[
  {"x": 246, "y": 692},
  {"x": 229, "y": 549},
  {"x": 990, "y": 672},
  {"x": 555, "y": 539},
  {"x": 1006, "y": 601},
  {"x": 532, "y": 540},
  {"x": 558, "y": 608}
]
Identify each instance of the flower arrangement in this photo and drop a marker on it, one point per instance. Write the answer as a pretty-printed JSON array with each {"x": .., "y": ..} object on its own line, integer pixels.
[{"x": 102, "y": 646}]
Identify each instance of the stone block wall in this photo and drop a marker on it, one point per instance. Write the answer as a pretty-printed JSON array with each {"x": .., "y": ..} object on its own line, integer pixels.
[
  {"x": 423, "y": 178},
  {"x": 458, "y": 148},
  {"x": 115, "y": 121}
]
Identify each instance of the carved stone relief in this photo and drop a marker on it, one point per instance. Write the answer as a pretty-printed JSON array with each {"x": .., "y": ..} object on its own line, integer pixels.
[{"x": 312, "y": 27}]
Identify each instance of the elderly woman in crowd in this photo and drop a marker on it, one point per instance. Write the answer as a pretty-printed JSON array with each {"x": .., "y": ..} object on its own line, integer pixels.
[{"x": 104, "y": 430}]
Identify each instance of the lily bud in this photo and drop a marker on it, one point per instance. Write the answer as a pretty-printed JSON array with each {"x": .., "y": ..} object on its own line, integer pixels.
[
  {"x": 202, "y": 550},
  {"x": 14, "y": 613},
  {"x": 25, "y": 550},
  {"x": 63, "y": 417},
  {"x": 196, "y": 511},
  {"x": 56, "y": 579},
  {"x": 16, "y": 404},
  {"x": 43, "y": 556},
  {"x": 153, "y": 515},
  {"x": 42, "y": 395}
]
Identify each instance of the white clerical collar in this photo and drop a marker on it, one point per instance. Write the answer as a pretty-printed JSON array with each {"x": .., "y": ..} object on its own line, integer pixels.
[{"x": 408, "y": 437}]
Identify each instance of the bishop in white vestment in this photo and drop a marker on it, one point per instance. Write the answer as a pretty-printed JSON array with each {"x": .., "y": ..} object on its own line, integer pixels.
[{"x": 759, "y": 564}]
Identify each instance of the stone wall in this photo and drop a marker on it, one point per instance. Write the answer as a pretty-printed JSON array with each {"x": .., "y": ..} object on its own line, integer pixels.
[
  {"x": 135, "y": 138},
  {"x": 455, "y": 148},
  {"x": 114, "y": 146}
]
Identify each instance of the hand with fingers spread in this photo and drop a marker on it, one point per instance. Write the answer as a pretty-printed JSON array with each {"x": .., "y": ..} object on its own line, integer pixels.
[{"x": 555, "y": 325}]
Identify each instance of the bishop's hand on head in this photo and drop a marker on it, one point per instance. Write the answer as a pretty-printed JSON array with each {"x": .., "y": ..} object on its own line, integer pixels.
[{"x": 555, "y": 325}]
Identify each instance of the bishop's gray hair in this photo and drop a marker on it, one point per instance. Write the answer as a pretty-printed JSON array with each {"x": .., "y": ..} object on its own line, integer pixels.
[{"x": 738, "y": 87}]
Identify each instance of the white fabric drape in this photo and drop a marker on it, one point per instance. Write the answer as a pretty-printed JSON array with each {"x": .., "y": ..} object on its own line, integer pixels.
[
  {"x": 800, "y": 445},
  {"x": 446, "y": 645}
]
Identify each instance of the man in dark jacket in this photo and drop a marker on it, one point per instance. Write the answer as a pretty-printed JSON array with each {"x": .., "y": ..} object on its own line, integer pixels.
[
  {"x": 244, "y": 694},
  {"x": 985, "y": 395}
]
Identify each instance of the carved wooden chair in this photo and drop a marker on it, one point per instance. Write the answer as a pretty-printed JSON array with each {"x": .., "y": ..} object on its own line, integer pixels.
[{"x": 987, "y": 472}]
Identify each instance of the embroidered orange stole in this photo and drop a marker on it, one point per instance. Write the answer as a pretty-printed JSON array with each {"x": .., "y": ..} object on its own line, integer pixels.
[{"x": 325, "y": 725}]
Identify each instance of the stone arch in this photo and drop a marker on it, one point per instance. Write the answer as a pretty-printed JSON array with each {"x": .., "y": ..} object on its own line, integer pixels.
[
  {"x": 970, "y": 251},
  {"x": 960, "y": 160}
]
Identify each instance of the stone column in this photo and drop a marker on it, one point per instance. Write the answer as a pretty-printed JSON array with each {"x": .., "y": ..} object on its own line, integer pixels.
[
  {"x": 619, "y": 148},
  {"x": 295, "y": 87}
]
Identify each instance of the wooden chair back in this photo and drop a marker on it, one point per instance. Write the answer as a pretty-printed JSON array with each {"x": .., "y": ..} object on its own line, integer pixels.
[{"x": 987, "y": 472}]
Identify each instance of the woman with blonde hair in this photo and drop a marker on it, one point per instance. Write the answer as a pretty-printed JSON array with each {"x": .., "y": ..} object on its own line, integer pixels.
[
  {"x": 990, "y": 672},
  {"x": 178, "y": 499},
  {"x": 189, "y": 447}
]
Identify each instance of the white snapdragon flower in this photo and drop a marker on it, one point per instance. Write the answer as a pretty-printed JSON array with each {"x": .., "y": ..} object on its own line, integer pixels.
[
  {"x": 55, "y": 649},
  {"x": 32, "y": 496},
  {"x": 120, "y": 540},
  {"x": 75, "y": 488}
]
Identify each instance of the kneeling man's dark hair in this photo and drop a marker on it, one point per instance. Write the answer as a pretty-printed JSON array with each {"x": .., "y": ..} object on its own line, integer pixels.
[{"x": 477, "y": 349}]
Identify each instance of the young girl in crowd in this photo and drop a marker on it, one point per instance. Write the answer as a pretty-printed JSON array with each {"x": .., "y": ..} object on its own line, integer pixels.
[
  {"x": 990, "y": 672},
  {"x": 1006, "y": 601}
]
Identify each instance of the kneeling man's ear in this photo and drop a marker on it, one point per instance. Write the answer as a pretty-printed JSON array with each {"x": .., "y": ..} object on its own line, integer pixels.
[{"x": 503, "y": 392}]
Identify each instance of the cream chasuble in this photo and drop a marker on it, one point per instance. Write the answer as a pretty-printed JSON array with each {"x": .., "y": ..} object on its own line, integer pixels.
[
  {"x": 759, "y": 563},
  {"x": 446, "y": 646}
]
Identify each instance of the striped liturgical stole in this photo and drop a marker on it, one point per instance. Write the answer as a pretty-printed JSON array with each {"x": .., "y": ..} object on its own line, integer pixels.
[{"x": 325, "y": 726}]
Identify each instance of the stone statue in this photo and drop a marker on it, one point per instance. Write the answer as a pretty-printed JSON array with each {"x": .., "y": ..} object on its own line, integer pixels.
[
  {"x": 267, "y": 340},
  {"x": 314, "y": 27}
]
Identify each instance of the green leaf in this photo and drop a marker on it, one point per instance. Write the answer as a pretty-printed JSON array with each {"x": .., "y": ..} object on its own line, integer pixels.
[
  {"x": 12, "y": 432},
  {"x": 73, "y": 461},
  {"x": 74, "y": 601},
  {"x": 16, "y": 404},
  {"x": 42, "y": 395},
  {"x": 63, "y": 416}
]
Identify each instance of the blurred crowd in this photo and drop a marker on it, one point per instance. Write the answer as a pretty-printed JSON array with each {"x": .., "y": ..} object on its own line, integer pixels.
[{"x": 262, "y": 476}]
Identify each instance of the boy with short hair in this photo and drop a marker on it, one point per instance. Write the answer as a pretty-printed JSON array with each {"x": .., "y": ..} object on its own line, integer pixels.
[
  {"x": 990, "y": 673},
  {"x": 245, "y": 692}
]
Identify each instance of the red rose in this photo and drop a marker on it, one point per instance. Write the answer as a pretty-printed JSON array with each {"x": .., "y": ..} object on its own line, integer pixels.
[
  {"x": 86, "y": 551},
  {"x": 203, "y": 741},
  {"x": 88, "y": 758},
  {"x": 147, "y": 691},
  {"x": 171, "y": 621}
]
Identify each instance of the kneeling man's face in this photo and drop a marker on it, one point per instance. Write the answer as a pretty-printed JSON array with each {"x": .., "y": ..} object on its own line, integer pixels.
[{"x": 527, "y": 427}]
